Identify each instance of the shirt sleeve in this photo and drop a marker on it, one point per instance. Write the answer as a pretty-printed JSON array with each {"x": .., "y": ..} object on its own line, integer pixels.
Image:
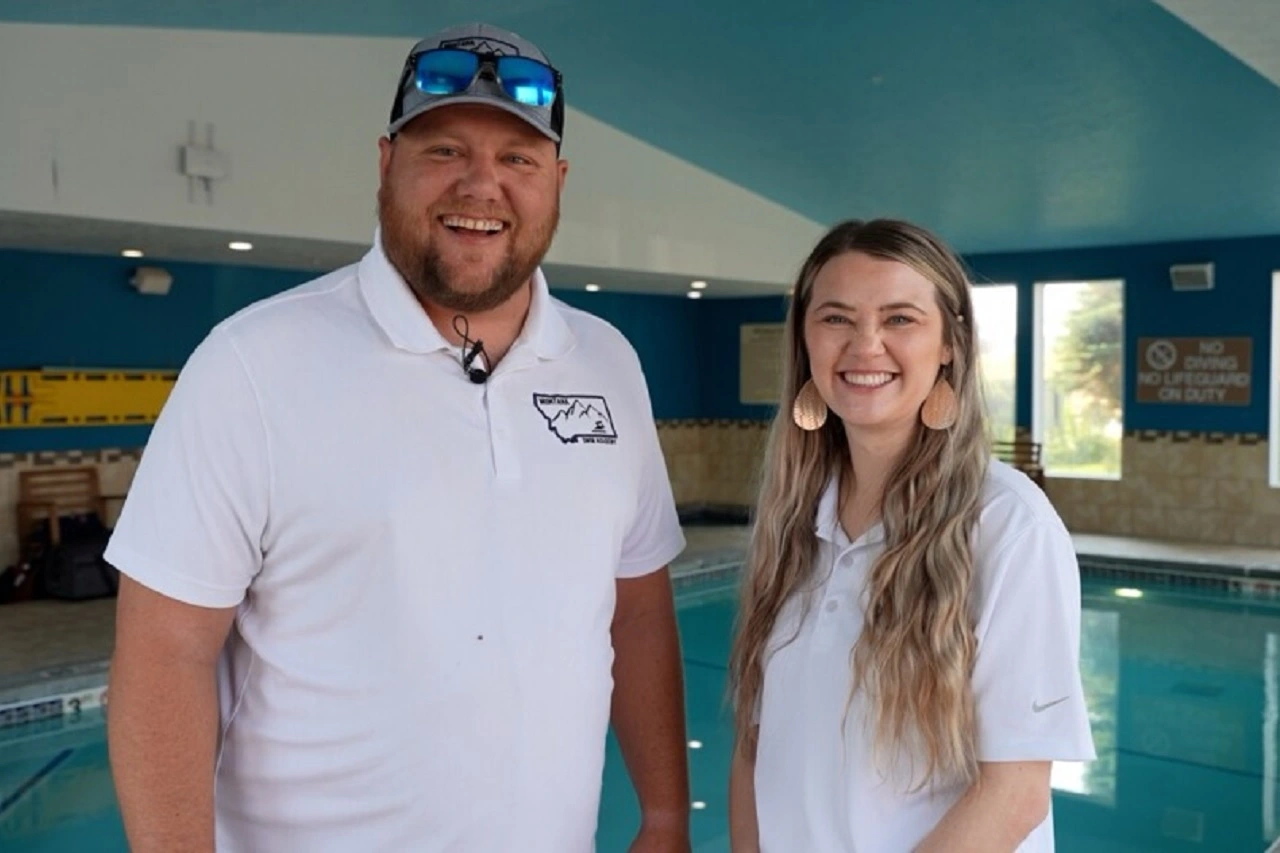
[
  {"x": 654, "y": 537},
  {"x": 192, "y": 524},
  {"x": 1027, "y": 682}
]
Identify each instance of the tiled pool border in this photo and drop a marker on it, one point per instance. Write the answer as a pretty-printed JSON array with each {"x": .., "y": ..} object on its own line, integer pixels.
[
  {"x": 1261, "y": 582},
  {"x": 52, "y": 693}
]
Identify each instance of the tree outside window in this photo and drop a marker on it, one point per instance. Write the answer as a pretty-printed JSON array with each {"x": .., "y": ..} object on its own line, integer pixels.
[{"x": 1080, "y": 377}]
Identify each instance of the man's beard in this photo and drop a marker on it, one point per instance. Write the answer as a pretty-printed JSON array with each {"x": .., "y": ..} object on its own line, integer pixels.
[{"x": 424, "y": 270}]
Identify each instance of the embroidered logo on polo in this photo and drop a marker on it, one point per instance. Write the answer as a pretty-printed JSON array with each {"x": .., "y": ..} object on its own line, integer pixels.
[
  {"x": 577, "y": 418},
  {"x": 1037, "y": 708}
]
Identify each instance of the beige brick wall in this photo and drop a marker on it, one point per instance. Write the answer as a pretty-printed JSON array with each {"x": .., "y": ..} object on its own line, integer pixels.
[
  {"x": 713, "y": 462},
  {"x": 1179, "y": 486},
  {"x": 1175, "y": 486},
  {"x": 1193, "y": 487}
]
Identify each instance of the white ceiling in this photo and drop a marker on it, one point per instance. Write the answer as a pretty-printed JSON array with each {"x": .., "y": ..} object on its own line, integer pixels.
[
  {"x": 59, "y": 234},
  {"x": 1247, "y": 29}
]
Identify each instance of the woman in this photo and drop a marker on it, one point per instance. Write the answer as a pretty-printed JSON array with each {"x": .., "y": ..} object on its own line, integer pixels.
[{"x": 906, "y": 664}]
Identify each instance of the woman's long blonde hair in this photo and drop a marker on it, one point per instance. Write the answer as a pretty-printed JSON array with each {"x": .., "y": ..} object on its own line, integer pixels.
[{"x": 915, "y": 656}]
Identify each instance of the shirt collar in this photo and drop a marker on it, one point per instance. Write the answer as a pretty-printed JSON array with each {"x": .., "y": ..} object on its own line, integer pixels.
[
  {"x": 398, "y": 313},
  {"x": 827, "y": 522},
  {"x": 545, "y": 329},
  {"x": 827, "y": 519}
]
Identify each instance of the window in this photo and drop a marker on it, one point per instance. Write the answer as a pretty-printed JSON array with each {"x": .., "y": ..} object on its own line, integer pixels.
[
  {"x": 1078, "y": 405},
  {"x": 995, "y": 309},
  {"x": 1274, "y": 442}
]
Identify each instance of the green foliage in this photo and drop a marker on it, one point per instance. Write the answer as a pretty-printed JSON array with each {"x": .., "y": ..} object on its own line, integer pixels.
[{"x": 1084, "y": 393}]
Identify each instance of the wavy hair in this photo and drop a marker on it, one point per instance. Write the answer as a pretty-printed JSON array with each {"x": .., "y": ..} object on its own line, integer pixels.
[{"x": 914, "y": 658}]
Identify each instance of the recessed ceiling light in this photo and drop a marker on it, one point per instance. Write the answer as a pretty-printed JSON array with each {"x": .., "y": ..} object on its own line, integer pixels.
[
  {"x": 240, "y": 246},
  {"x": 699, "y": 285},
  {"x": 698, "y": 805},
  {"x": 695, "y": 294},
  {"x": 132, "y": 253},
  {"x": 695, "y": 744},
  {"x": 1125, "y": 592},
  {"x": 592, "y": 288}
]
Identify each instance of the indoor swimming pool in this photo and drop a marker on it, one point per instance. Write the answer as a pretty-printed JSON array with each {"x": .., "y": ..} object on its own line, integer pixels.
[{"x": 1183, "y": 688}]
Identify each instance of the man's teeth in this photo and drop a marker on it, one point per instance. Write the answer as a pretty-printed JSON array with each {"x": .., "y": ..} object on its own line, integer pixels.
[
  {"x": 869, "y": 379},
  {"x": 470, "y": 224}
]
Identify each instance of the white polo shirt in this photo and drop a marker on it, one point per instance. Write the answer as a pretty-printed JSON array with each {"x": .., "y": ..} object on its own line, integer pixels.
[
  {"x": 816, "y": 789},
  {"x": 424, "y": 568}
]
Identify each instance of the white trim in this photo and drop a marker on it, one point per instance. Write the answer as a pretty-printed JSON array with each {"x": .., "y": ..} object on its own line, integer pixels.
[
  {"x": 1273, "y": 426},
  {"x": 1037, "y": 364},
  {"x": 1081, "y": 475},
  {"x": 58, "y": 705}
]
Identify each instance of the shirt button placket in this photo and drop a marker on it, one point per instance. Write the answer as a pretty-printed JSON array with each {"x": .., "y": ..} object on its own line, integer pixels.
[{"x": 506, "y": 462}]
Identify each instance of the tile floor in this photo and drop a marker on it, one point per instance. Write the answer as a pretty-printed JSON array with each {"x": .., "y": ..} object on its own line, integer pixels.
[{"x": 40, "y": 636}]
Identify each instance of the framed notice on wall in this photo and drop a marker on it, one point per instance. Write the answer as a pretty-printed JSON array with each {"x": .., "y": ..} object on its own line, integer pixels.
[
  {"x": 1195, "y": 371},
  {"x": 760, "y": 363}
]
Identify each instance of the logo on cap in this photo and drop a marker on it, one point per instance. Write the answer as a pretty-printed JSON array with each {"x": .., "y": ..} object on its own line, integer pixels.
[{"x": 480, "y": 44}]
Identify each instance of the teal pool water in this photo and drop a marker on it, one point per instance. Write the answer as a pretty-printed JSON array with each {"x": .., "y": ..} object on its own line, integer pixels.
[{"x": 1184, "y": 691}]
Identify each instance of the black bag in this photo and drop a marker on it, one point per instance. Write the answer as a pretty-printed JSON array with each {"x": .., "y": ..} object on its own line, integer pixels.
[
  {"x": 75, "y": 569},
  {"x": 17, "y": 583}
]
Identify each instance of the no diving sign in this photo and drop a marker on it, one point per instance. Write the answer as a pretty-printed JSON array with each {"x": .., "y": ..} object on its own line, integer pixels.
[{"x": 1195, "y": 371}]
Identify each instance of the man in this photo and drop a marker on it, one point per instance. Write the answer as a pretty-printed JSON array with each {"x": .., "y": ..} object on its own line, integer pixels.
[{"x": 414, "y": 516}]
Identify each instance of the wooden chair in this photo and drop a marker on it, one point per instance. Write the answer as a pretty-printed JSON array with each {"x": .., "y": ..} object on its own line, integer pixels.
[
  {"x": 50, "y": 494},
  {"x": 1023, "y": 455}
]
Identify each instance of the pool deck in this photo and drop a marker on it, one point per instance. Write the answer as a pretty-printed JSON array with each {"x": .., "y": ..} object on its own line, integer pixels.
[{"x": 58, "y": 648}]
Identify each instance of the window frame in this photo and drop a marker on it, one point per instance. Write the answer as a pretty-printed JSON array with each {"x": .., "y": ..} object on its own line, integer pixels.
[{"x": 1039, "y": 383}]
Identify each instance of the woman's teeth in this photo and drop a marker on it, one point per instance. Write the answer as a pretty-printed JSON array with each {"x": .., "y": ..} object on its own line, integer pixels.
[{"x": 867, "y": 380}]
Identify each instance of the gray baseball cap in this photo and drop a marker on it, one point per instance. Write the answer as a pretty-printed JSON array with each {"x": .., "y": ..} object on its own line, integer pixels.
[{"x": 486, "y": 40}]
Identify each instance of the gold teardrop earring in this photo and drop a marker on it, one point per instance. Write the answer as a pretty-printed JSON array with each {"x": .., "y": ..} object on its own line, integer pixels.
[
  {"x": 809, "y": 410},
  {"x": 940, "y": 408}
]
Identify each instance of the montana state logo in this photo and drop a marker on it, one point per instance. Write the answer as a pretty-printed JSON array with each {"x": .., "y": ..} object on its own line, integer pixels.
[{"x": 577, "y": 418}]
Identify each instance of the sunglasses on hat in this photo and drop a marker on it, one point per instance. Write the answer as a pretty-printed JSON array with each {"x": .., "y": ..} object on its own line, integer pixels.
[
  {"x": 440, "y": 72},
  {"x": 449, "y": 71}
]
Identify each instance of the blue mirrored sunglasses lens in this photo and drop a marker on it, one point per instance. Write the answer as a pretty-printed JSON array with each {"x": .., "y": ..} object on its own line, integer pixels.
[
  {"x": 445, "y": 72},
  {"x": 526, "y": 81}
]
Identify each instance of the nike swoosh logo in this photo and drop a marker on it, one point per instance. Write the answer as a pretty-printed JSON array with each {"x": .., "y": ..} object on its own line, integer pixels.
[{"x": 1036, "y": 707}]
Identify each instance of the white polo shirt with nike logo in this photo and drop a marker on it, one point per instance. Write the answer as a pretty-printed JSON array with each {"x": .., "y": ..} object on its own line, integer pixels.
[{"x": 818, "y": 790}]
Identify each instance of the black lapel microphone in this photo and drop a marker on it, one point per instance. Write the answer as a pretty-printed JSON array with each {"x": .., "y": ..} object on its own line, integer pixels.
[{"x": 474, "y": 363}]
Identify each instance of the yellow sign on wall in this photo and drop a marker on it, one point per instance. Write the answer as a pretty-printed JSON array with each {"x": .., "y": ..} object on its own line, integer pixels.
[{"x": 71, "y": 397}]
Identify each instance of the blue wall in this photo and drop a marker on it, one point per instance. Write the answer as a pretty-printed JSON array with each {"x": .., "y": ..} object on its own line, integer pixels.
[
  {"x": 664, "y": 332},
  {"x": 719, "y": 343},
  {"x": 1238, "y": 306},
  {"x": 80, "y": 311},
  {"x": 66, "y": 310}
]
